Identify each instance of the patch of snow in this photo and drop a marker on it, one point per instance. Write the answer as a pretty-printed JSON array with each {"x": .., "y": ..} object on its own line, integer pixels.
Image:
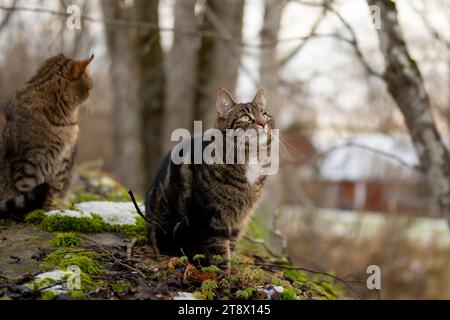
[
  {"x": 69, "y": 213},
  {"x": 56, "y": 276},
  {"x": 184, "y": 296},
  {"x": 113, "y": 213}
]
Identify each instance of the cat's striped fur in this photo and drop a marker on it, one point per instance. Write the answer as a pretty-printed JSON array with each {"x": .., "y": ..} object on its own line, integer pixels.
[
  {"x": 200, "y": 208},
  {"x": 38, "y": 136}
]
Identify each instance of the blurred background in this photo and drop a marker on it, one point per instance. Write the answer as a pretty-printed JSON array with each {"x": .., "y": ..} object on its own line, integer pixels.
[{"x": 354, "y": 187}]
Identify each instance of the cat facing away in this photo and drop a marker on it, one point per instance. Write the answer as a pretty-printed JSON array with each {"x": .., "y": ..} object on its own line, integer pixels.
[
  {"x": 38, "y": 136},
  {"x": 203, "y": 208}
]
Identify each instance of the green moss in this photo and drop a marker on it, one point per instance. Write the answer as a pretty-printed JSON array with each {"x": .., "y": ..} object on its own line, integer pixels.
[
  {"x": 66, "y": 240},
  {"x": 326, "y": 289},
  {"x": 35, "y": 217},
  {"x": 246, "y": 294},
  {"x": 48, "y": 295},
  {"x": 288, "y": 294},
  {"x": 120, "y": 286},
  {"x": 294, "y": 275},
  {"x": 199, "y": 296},
  {"x": 62, "y": 223},
  {"x": 87, "y": 261},
  {"x": 94, "y": 224}
]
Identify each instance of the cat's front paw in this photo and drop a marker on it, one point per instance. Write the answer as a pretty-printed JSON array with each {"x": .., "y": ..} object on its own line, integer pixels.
[
  {"x": 27, "y": 178},
  {"x": 25, "y": 184}
]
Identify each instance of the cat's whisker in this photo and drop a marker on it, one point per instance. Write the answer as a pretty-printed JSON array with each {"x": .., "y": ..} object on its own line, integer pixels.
[{"x": 284, "y": 145}]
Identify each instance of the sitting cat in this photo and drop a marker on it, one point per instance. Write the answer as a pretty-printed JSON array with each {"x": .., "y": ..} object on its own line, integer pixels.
[
  {"x": 203, "y": 208},
  {"x": 38, "y": 136}
]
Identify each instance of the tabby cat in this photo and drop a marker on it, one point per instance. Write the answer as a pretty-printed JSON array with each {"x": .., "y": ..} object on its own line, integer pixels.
[
  {"x": 200, "y": 208},
  {"x": 38, "y": 136}
]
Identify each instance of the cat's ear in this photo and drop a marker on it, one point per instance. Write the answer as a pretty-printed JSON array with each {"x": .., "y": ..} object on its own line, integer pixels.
[
  {"x": 260, "y": 98},
  {"x": 80, "y": 67},
  {"x": 224, "y": 103}
]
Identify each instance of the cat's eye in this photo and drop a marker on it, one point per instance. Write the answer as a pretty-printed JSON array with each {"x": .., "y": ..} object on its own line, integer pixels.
[
  {"x": 265, "y": 116},
  {"x": 246, "y": 118}
]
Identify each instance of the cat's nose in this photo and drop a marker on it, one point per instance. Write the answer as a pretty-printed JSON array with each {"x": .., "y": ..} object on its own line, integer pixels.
[{"x": 261, "y": 123}]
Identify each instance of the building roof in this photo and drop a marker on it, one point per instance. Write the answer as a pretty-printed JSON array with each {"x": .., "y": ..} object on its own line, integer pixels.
[{"x": 365, "y": 157}]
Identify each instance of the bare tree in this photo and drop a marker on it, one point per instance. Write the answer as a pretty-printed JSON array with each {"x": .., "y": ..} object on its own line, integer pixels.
[
  {"x": 270, "y": 78},
  {"x": 218, "y": 63},
  {"x": 405, "y": 84},
  {"x": 151, "y": 76},
  {"x": 128, "y": 150},
  {"x": 182, "y": 71}
]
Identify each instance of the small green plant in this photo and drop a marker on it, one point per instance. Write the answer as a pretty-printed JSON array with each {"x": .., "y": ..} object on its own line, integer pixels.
[
  {"x": 199, "y": 258},
  {"x": 208, "y": 289},
  {"x": 211, "y": 269},
  {"x": 217, "y": 259},
  {"x": 184, "y": 260}
]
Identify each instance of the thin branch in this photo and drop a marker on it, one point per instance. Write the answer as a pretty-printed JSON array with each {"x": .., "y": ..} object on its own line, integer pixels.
[
  {"x": 305, "y": 41},
  {"x": 353, "y": 41},
  {"x": 431, "y": 29},
  {"x": 8, "y": 15},
  {"x": 117, "y": 261},
  {"x": 278, "y": 267},
  {"x": 188, "y": 33}
]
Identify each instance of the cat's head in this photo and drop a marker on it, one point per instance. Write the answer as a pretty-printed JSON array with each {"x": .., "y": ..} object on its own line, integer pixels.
[
  {"x": 244, "y": 116},
  {"x": 69, "y": 77}
]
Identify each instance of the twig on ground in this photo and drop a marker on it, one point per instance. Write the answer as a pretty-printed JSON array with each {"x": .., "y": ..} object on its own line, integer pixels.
[
  {"x": 114, "y": 258},
  {"x": 272, "y": 266}
]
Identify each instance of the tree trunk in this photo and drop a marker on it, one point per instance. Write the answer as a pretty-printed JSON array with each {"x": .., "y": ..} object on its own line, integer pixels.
[
  {"x": 182, "y": 72},
  {"x": 405, "y": 83},
  {"x": 218, "y": 63},
  {"x": 270, "y": 78},
  {"x": 126, "y": 122},
  {"x": 149, "y": 56}
]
